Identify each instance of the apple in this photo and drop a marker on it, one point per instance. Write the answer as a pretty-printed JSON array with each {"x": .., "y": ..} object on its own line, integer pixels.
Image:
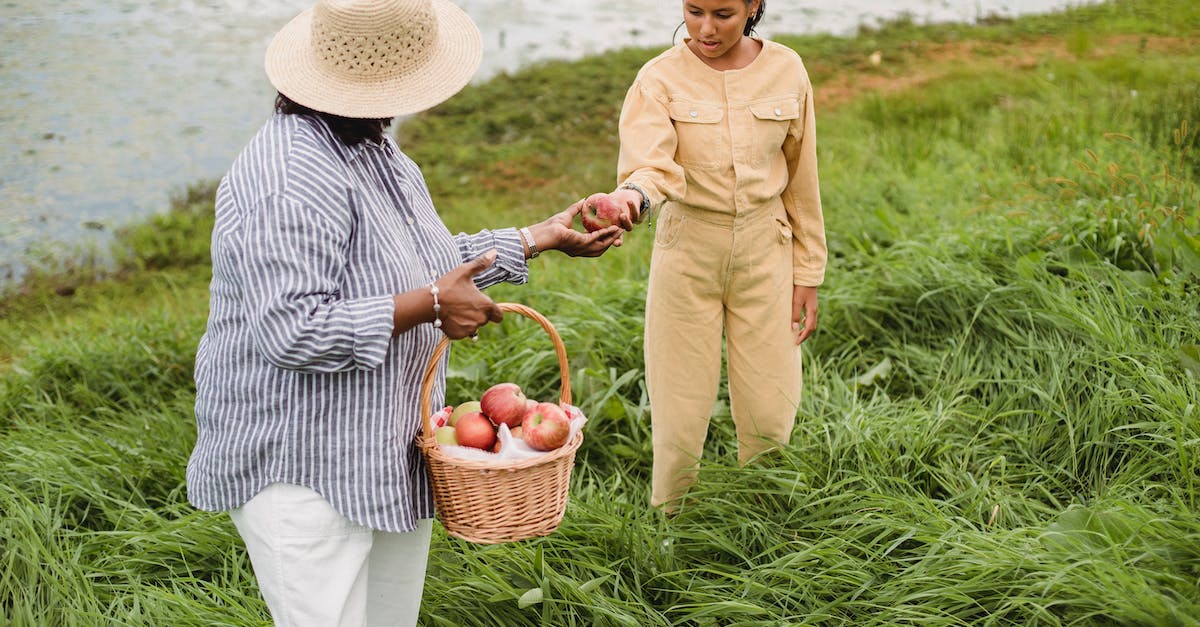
[
  {"x": 474, "y": 429},
  {"x": 446, "y": 435},
  {"x": 464, "y": 408},
  {"x": 504, "y": 403},
  {"x": 600, "y": 210},
  {"x": 546, "y": 427}
]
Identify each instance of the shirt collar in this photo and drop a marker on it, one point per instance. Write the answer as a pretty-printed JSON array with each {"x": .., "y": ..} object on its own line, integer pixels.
[{"x": 351, "y": 154}]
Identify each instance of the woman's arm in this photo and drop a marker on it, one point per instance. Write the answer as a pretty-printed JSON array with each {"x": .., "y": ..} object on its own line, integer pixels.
[
  {"x": 453, "y": 302},
  {"x": 556, "y": 233},
  {"x": 289, "y": 258}
]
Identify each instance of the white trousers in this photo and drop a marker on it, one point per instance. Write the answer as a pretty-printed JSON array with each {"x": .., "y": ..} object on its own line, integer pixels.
[{"x": 315, "y": 567}]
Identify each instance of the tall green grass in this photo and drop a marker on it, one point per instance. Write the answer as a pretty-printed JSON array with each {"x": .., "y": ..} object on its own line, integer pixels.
[{"x": 1001, "y": 418}]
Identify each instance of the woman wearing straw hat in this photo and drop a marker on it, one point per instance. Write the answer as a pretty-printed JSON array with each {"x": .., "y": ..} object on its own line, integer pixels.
[{"x": 333, "y": 280}]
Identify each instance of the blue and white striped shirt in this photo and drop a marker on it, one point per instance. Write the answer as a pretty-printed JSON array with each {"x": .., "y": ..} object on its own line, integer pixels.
[{"x": 298, "y": 377}]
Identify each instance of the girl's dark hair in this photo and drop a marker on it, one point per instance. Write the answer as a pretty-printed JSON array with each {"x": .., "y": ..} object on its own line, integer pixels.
[
  {"x": 352, "y": 131},
  {"x": 754, "y": 19}
]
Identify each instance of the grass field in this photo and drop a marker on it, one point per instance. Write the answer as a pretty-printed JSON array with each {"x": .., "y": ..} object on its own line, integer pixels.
[{"x": 1001, "y": 419}]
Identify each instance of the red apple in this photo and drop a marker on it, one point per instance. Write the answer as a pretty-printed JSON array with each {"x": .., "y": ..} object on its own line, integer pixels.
[
  {"x": 503, "y": 403},
  {"x": 546, "y": 427},
  {"x": 600, "y": 211},
  {"x": 474, "y": 429}
]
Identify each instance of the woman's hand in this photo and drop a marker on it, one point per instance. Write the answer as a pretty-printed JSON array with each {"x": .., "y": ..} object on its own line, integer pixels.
[
  {"x": 463, "y": 307},
  {"x": 804, "y": 311},
  {"x": 556, "y": 233}
]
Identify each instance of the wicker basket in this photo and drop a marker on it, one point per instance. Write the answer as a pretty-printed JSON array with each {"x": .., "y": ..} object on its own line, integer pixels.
[{"x": 490, "y": 502}]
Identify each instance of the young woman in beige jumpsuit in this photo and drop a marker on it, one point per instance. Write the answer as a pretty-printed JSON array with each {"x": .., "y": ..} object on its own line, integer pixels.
[{"x": 718, "y": 136}]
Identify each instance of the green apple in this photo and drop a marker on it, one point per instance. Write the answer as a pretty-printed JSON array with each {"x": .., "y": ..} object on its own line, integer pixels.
[
  {"x": 445, "y": 435},
  {"x": 462, "y": 410}
]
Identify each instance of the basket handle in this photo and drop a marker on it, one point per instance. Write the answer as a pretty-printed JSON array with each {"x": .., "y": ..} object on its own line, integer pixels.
[{"x": 560, "y": 350}]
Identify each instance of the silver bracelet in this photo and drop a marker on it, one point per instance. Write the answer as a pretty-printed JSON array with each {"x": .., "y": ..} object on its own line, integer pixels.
[
  {"x": 644, "y": 207},
  {"x": 437, "y": 307},
  {"x": 527, "y": 235}
]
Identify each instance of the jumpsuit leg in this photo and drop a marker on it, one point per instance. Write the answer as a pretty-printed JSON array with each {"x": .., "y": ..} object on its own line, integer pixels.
[
  {"x": 763, "y": 359},
  {"x": 682, "y": 347}
]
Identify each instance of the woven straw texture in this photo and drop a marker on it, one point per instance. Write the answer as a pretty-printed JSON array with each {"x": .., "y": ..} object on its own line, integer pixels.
[
  {"x": 488, "y": 502},
  {"x": 375, "y": 59}
]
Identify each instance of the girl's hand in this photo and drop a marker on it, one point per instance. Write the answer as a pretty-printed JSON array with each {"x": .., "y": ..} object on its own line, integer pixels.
[
  {"x": 804, "y": 311},
  {"x": 556, "y": 233},
  {"x": 631, "y": 202}
]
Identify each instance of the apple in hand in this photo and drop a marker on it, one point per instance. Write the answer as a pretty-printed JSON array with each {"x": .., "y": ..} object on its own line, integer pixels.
[
  {"x": 474, "y": 429},
  {"x": 504, "y": 403},
  {"x": 546, "y": 427},
  {"x": 600, "y": 210},
  {"x": 462, "y": 409}
]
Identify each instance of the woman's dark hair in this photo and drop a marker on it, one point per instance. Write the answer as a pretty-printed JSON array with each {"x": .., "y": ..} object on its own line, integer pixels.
[
  {"x": 754, "y": 19},
  {"x": 352, "y": 131}
]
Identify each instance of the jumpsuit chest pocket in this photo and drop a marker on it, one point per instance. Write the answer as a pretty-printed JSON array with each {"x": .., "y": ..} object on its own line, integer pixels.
[
  {"x": 771, "y": 120},
  {"x": 701, "y": 135}
]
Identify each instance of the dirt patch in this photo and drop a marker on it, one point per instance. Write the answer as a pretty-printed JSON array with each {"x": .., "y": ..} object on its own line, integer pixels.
[{"x": 918, "y": 63}]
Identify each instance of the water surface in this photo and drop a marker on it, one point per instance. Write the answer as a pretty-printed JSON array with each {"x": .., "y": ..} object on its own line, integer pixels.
[{"x": 111, "y": 106}]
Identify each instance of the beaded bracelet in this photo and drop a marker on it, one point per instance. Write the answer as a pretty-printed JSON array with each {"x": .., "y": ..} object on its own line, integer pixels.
[{"x": 437, "y": 307}]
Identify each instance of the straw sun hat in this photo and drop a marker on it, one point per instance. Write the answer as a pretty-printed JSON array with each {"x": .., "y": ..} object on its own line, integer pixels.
[{"x": 374, "y": 58}]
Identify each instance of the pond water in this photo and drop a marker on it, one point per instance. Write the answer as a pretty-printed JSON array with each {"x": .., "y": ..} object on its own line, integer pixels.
[{"x": 111, "y": 106}]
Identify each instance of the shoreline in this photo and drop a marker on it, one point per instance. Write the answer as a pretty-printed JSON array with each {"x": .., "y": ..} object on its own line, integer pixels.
[
  {"x": 843, "y": 68},
  {"x": 91, "y": 169}
]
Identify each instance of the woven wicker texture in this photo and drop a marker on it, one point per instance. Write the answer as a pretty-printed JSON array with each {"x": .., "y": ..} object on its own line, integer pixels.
[{"x": 490, "y": 502}]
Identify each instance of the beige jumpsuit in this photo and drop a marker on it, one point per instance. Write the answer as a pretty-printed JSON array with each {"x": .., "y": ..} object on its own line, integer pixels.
[{"x": 728, "y": 160}]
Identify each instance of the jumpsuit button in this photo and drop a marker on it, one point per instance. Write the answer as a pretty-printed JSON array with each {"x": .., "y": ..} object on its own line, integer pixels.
[
  {"x": 694, "y": 113},
  {"x": 409, "y": 220},
  {"x": 778, "y": 111}
]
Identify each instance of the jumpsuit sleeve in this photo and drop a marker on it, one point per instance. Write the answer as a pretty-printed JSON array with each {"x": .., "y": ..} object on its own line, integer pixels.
[
  {"x": 802, "y": 197},
  {"x": 648, "y": 143}
]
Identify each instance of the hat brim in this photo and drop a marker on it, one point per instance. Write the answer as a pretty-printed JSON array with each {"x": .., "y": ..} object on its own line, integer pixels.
[{"x": 293, "y": 69}]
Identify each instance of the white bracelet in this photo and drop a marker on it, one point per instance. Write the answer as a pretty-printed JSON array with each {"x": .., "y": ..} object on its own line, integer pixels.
[
  {"x": 437, "y": 307},
  {"x": 527, "y": 235}
]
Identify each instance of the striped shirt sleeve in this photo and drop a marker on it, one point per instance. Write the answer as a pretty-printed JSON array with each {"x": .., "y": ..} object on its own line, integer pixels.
[{"x": 294, "y": 260}]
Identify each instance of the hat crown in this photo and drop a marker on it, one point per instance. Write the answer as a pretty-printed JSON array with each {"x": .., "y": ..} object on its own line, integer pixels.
[{"x": 373, "y": 39}]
